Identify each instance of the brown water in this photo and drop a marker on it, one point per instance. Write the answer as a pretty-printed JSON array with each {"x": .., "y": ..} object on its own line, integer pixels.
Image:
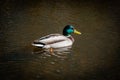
[{"x": 94, "y": 55}]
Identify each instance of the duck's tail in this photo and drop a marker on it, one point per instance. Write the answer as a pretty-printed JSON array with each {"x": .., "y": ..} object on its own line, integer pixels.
[{"x": 38, "y": 44}]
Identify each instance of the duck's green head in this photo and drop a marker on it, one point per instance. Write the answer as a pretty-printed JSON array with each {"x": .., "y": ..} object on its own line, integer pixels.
[{"x": 69, "y": 29}]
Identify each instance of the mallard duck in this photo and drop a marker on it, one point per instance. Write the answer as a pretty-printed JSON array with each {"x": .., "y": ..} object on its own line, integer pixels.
[{"x": 57, "y": 40}]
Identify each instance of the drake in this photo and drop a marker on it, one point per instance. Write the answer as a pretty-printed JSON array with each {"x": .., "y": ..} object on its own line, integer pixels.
[{"x": 57, "y": 40}]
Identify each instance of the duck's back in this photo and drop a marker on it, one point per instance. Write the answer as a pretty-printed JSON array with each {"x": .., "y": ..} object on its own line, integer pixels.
[{"x": 53, "y": 40}]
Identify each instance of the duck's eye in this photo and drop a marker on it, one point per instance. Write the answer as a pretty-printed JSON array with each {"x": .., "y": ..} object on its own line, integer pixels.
[{"x": 72, "y": 28}]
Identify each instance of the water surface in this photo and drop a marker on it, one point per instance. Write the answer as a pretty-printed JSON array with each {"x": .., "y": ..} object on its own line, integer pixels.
[{"x": 94, "y": 55}]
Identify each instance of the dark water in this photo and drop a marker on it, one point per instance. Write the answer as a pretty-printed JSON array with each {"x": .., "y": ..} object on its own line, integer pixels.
[{"x": 94, "y": 55}]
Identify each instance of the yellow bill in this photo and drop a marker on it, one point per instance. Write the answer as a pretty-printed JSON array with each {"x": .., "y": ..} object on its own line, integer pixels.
[{"x": 77, "y": 32}]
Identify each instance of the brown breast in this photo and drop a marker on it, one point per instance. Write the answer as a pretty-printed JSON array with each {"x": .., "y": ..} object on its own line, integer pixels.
[{"x": 71, "y": 38}]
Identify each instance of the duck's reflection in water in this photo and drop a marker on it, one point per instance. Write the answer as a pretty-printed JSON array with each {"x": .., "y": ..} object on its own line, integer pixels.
[
  {"x": 41, "y": 65},
  {"x": 58, "y": 52}
]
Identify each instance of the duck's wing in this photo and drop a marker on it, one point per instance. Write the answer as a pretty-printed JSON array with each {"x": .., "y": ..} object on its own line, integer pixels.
[{"x": 50, "y": 39}]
